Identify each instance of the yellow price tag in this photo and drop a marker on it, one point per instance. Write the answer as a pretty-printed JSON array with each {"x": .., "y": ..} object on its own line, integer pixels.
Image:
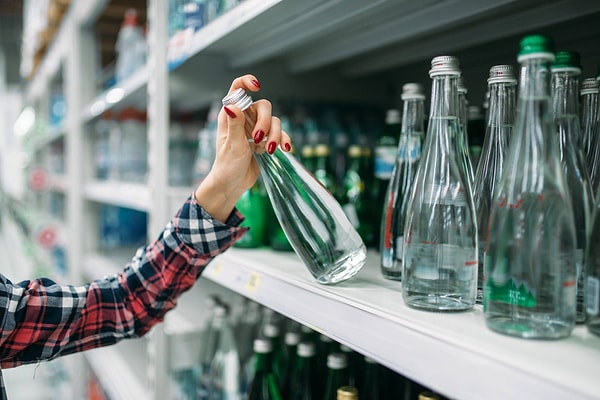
[
  {"x": 253, "y": 282},
  {"x": 217, "y": 267}
]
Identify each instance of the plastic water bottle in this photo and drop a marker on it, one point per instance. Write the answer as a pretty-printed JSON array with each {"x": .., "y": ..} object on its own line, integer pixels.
[{"x": 130, "y": 46}]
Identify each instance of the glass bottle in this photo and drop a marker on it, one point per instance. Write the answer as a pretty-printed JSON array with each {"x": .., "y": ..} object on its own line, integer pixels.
[
  {"x": 322, "y": 169},
  {"x": 304, "y": 384},
  {"x": 592, "y": 274},
  {"x": 291, "y": 341},
  {"x": 264, "y": 384},
  {"x": 530, "y": 274},
  {"x": 384, "y": 158},
  {"x": 476, "y": 125},
  {"x": 347, "y": 393},
  {"x": 440, "y": 249},
  {"x": 371, "y": 387},
  {"x": 502, "y": 84},
  {"x": 462, "y": 142},
  {"x": 354, "y": 196},
  {"x": 210, "y": 343},
  {"x": 402, "y": 181},
  {"x": 273, "y": 333},
  {"x": 593, "y": 157},
  {"x": 337, "y": 375},
  {"x": 312, "y": 219},
  {"x": 565, "y": 90},
  {"x": 589, "y": 114},
  {"x": 225, "y": 367}
]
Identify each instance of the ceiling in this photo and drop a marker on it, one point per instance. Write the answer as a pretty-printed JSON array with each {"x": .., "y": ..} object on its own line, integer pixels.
[{"x": 11, "y": 26}]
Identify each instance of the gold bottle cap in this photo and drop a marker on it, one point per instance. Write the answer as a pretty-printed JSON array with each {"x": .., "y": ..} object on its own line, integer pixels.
[
  {"x": 347, "y": 393},
  {"x": 322, "y": 150},
  {"x": 428, "y": 396}
]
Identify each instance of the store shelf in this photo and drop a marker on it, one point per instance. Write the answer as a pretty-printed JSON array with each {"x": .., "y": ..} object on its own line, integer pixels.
[
  {"x": 121, "y": 369},
  {"x": 454, "y": 353},
  {"x": 130, "y": 195}
]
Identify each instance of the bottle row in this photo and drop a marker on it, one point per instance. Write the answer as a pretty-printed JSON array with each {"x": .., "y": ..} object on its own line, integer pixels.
[{"x": 251, "y": 352}]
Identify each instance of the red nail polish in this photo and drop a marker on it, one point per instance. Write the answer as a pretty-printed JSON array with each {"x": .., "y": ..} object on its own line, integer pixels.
[
  {"x": 287, "y": 147},
  {"x": 255, "y": 83},
  {"x": 271, "y": 147},
  {"x": 258, "y": 136},
  {"x": 229, "y": 112}
]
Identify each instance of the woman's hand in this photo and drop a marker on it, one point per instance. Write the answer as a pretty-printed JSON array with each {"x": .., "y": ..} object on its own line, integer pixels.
[{"x": 235, "y": 170}]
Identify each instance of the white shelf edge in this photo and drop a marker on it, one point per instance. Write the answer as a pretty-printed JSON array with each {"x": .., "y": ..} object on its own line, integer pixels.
[
  {"x": 116, "y": 374},
  {"x": 455, "y": 354},
  {"x": 130, "y": 195}
]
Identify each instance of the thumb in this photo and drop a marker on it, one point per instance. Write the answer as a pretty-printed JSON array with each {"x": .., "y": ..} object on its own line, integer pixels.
[{"x": 235, "y": 124}]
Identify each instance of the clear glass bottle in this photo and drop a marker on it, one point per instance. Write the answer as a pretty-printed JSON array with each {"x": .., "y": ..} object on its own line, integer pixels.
[
  {"x": 462, "y": 135},
  {"x": 225, "y": 366},
  {"x": 312, "y": 219},
  {"x": 592, "y": 274},
  {"x": 530, "y": 274},
  {"x": 565, "y": 99},
  {"x": 264, "y": 384},
  {"x": 440, "y": 249},
  {"x": 593, "y": 157},
  {"x": 502, "y": 84},
  {"x": 589, "y": 115},
  {"x": 210, "y": 342},
  {"x": 402, "y": 181}
]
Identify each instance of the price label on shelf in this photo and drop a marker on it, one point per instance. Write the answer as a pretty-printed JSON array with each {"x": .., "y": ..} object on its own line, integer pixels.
[
  {"x": 253, "y": 282},
  {"x": 215, "y": 269}
]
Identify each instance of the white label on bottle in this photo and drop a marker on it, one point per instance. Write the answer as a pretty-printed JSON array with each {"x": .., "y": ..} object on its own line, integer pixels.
[
  {"x": 385, "y": 159},
  {"x": 592, "y": 295},
  {"x": 409, "y": 149}
]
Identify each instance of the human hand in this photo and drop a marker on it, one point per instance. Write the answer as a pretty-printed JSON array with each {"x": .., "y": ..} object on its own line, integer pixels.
[{"x": 235, "y": 170}]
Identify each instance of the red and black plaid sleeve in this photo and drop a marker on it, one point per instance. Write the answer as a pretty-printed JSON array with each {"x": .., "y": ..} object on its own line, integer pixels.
[{"x": 41, "y": 320}]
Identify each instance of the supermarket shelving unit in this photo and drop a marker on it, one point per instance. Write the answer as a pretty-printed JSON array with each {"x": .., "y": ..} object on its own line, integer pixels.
[{"x": 360, "y": 50}]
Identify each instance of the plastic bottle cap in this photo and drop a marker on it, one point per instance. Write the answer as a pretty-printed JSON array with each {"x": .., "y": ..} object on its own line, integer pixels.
[
  {"x": 130, "y": 18},
  {"x": 567, "y": 61},
  {"x": 536, "y": 46},
  {"x": 589, "y": 86},
  {"x": 306, "y": 349},
  {"x": 502, "y": 74},
  {"x": 412, "y": 91},
  {"x": 444, "y": 65},
  {"x": 292, "y": 338},
  {"x": 393, "y": 117},
  {"x": 239, "y": 98},
  {"x": 337, "y": 361},
  {"x": 262, "y": 346}
]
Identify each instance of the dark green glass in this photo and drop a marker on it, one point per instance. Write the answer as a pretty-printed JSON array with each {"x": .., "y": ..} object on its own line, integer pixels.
[
  {"x": 304, "y": 381},
  {"x": 264, "y": 385},
  {"x": 337, "y": 375}
]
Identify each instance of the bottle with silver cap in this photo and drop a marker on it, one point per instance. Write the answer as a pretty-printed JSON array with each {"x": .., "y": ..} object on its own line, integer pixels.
[
  {"x": 461, "y": 143},
  {"x": 337, "y": 375},
  {"x": 402, "y": 181},
  {"x": 590, "y": 124},
  {"x": 314, "y": 222},
  {"x": 530, "y": 274},
  {"x": 440, "y": 249},
  {"x": 502, "y": 84},
  {"x": 565, "y": 99}
]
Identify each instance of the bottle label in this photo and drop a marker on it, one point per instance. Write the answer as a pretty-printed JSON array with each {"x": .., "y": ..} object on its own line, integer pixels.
[
  {"x": 592, "y": 295},
  {"x": 409, "y": 149},
  {"x": 511, "y": 292},
  {"x": 385, "y": 159}
]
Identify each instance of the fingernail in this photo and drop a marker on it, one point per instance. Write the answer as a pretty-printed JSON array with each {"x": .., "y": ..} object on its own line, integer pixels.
[
  {"x": 255, "y": 83},
  {"x": 271, "y": 147},
  {"x": 287, "y": 146},
  {"x": 229, "y": 112},
  {"x": 258, "y": 136}
]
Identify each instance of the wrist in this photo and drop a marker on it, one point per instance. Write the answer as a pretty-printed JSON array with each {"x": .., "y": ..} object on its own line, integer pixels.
[{"x": 216, "y": 198}]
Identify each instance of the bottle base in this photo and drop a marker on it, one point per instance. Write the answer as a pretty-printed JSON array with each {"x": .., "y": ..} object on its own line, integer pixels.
[
  {"x": 344, "y": 268},
  {"x": 436, "y": 303},
  {"x": 391, "y": 275},
  {"x": 528, "y": 328}
]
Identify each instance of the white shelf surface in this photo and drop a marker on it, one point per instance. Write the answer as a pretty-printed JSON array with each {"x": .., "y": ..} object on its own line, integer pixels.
[
  {"x": 121, "y": 369},
  {"x": 455, "y": 354},
  {"x": 130, "y": 195}
]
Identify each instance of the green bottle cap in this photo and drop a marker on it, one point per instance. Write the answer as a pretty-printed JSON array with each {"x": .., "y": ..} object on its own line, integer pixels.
[
  {"x": 567, "y": 60},
  {"x": 536, "y": 46}
]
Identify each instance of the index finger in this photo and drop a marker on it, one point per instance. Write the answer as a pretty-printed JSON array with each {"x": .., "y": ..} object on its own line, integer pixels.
[{"x": 246, "y": 82}]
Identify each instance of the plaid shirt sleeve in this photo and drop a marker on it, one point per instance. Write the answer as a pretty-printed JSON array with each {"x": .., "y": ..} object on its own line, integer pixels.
[{"x": 41, "y": 320}]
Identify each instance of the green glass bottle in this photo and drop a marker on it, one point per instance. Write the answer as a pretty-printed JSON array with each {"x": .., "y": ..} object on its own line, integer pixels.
[
  {"x": 253, "y": 205},
  {"x": 273, "y": 333},
  {"x": 337, "y": 375},
  {"x": 264, "y": 384},
  {"x": 322, "y": 169},
  {"x": 304, "y": 383},
  {"x": 291, "y": 341},
  {"x": 371, "y": 387}
]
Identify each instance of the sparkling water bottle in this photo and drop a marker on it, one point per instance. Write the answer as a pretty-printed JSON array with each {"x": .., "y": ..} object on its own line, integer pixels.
[
  {"x": 530, "y": 273},
  {"x": 440, "y": 249},
  {"x": 565, "y": 90},
  {"x": 501, "y": 117},
  {"x": 314, "y": 222},
  {"x": 402, "y": 181}
]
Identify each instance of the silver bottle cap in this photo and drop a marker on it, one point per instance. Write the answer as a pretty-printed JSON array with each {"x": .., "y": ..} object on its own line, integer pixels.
[
  {"x": 306, "y": 349},
  {"x": 337, "y": 361},
  {"x": 444, "y": 65},
  {"x": 262, "y": 346},
  {"x": 292, "y": 338},
  {"x": 589, "y": 86},
  {"x": 239, "y": 98},
  {"x": 502, "y": 74},
  {"x": 412, "y": 91}
]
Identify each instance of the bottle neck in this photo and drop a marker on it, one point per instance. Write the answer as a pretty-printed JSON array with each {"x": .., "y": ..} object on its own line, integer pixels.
[
  {"x": 534, "y": 83},
  {"x": 444, "y": 96},
  {"x": 501, "y": 104},
  {"x": 413, "y": 116},
  {"x": 589, "y": 110},
  {"x": 262, "y": 363},
  {"x": 565, "y": 90}
]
